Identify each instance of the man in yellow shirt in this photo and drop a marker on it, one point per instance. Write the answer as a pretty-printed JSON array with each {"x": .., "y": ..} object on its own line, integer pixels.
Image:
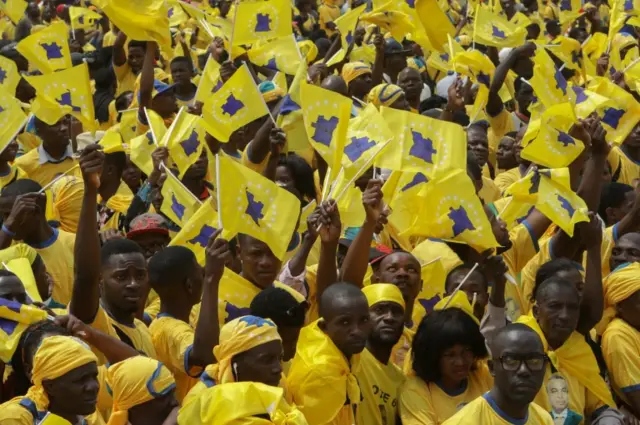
[
  {"x": 127, "y": 65},
  {"x": 111, "y": 283},
  {"x": 518, "y": 368},
  {"x": 174, "y": 273},
  {"x": 54, "y": 156},
  {"x": 379, "y": 378},
  {"x": 181, "y": 74},
  {"x": 24, "y": 219}
]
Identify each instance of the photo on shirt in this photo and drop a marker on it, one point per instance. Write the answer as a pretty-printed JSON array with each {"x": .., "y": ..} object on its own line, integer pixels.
[{"x": 558, "y": 393}]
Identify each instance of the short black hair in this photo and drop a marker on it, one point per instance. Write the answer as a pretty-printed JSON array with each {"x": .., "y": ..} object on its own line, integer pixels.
[
  {"x": 21, "y": 187},
  {"x": 439, "y": 331},
  {"x": 302, "y": 174},
  {"x": 180, "y": 59},
  {"x": 280, "y": 306},
  {"x": 613, "y": 195},
  {"x": 512, "y": 327},
  {"x": 466, "y": 267},
  {"x": 122, "y": 101},
  {"x": 117, "y": 247},
  {"x": 117, "y": 159},
  {"x": 549, "y": 270},
  {"x": 170, "y": 266},
  {"x": 6, "y": 273},
  {"x": 335, "y": 291},
  {"x": 554, "y": 282},
  {"x": 138, "y": 43}
]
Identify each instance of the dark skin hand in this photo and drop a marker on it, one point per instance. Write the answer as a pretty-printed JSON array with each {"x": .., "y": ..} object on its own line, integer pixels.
[
  {"x": 494, "y": 104},
  {"x": 329, "y": 219},
  {"x": 592, "y": 304}
]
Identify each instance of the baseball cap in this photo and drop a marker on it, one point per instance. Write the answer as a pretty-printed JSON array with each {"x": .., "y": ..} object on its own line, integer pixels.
[{"x": 148, "y": 223}]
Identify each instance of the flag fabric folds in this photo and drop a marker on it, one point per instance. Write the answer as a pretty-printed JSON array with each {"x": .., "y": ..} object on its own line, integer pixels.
[
  {"x": 261, "y": 20},
  {"x": 280, "y": 54},
  {"x": 143, "y": 145},
  {"x": 210, "y": 81},
  {"x": 12, "y": 118},
  {"x": 622, "y": 115},
  {"x": 9, "y": 75},
  {"x": 14, "y": 319},
  {"x": 177, "y": 202},
  {"x": 491, "y": 29},
  {"x": 435, "y": 23},
  {"x": 197, "y": 231},
  {"x": 14, "y": 9},
  {"x": 83, "y": 18},
  {"x": 366, "y": 136},
  {"x": 387, "y": 18},
  {"x": 47, "y": 49},
  {"x": 184, "y": 140},
  {"x": 548, "y": 83}
]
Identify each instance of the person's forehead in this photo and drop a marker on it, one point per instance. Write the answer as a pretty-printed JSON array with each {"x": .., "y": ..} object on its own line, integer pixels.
[
  {"x": 519, "y": 343},
  {"x": 399, "y": 259},
  {"x": 349, "y": 305},
  {"x": 126, "y": 260},
  {"x": 630, "y": 240},
  {"x": 11, "y": 285}
]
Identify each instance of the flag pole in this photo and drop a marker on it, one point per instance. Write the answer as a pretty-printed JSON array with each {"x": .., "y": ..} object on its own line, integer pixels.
[
  {"x": 235, "y": 15},
  {"x": 170, "y": 174},
  {"x": 153, "y": 134},
  {"x": 168, "y": 134},
  {"x": 52, "y": 182},
  {"x": 218, "y": 200},
  {"x": 475, "y": 266},
  {"x": 202, "y": 77}
]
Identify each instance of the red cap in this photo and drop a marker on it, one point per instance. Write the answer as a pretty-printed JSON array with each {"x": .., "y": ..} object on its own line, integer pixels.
[{"x": 148, "y": 223}]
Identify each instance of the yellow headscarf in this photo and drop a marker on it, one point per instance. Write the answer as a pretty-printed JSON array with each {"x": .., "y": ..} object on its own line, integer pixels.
[
  {"x": 383, "y": 292},
  {"x": 239, "y": 403},
  {"x": 619, "y": 285},
  {"x": 458, "y": 300},
  {"x": 56, "y": 356},
  {"x": 270, "y": 91},
  {"x": 385, "y": 94},
  {"x": 353, "y": 70},
  {"x": 237, "y": 336},
  {"x": 135, "y": 381},
  {"x": 574, "y": 358},
  {"x": 317, "y": 366},
  {"x": 309, "y": 50}
]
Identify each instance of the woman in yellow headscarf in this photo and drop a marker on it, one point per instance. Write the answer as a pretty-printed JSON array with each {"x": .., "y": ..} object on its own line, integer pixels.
[
  {"x": 247, "y": 403},
  {"x": 243, "y": 341},
  {"x": 447, "y": 367},
  {"x": 143, "y": 391},
  {"x": 621, "y": 339},
  {"x": 388, "y": 95},
  {"x": 64, "y": 374}
]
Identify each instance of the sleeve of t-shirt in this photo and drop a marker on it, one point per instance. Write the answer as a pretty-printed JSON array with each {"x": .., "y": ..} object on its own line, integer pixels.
[
  {"x": 621, "y": 357},
  {"x": 415, "y": 409},
  {"x": 501, "y": 124},
  {"x": 176, "y": 346},
  {"x": 524, "y": 247}
]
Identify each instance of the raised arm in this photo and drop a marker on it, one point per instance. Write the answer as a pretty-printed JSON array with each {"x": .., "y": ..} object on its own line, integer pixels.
[
  {"x": 329, "y": 238},
  {"x": 377, "y": 70},
  {"x": 592, "y": 304},
  {"x": 86, "y": 293},
  {"x": 119, "y": 55},
  {"x": 277, "y": 140},
  {"x": 494, "y": 104},
  {"x": 146, "y": 77}
]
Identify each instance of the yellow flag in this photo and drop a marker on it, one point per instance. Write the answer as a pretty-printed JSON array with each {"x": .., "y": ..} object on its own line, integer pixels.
[
  {"x": 64, "y": 92},
  {"x": 254, "y": 205},
  {"x": 83, "y": 18},
  {"x": 15, "y": 319},
  {"x": 366, "y": 138},
  {"x": 290, "y": 118},
  {"x": 12, "y": 118},
  {"x": 553, "y": 147},
  {"x": 404, "y": 192},
  {"x": 14, "y": 9},
  {"x": 548, "y": 83},
  {"x": 621, "y": 117},
  {"x": 47, "y": 49},
  {"x": 434, "y": 22},
  {"x": 480, "y": 69},
  {"x": 9, "y": 76},
  {"x": 144, "y": 20},
  {"x": 197, "y": 231},
  {"x": 237, "y": 103},
  {"x": 347, "y": 24},
  {"x": 184, "y": 140},
  {"x": 143, "y": 146},
  {"x": 443, "y": 60},
  {"x": 261, "y": 20},
  {"x": 111, "y": 142},
  {"x": 210, "y": 81},
  {"x": 326, "y": 118},
  {"x": 456, "y": 213},
  {"x": 569, "y": 51},
  {"x": 177, "y": 202},
  {"x": 176, "y": 14},
  {"x": 423, "y": 144},
  {"x": 493, "y": 30},
  {"x": 396, "y": 22},
  {"x": 586, "y": 101},
  {"x": 280, "y": 54},
  {"x": 129, "y": 125}
]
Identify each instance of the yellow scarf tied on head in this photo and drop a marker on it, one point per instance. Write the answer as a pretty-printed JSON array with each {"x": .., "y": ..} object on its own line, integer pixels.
[
  {"x": 134, "y": 381},
  {"x": 619, "y": 285},
  {"x": 458, "y": 300},
  {"x": 385, "y": 94},
  {"x": 239, "y": 403},
  {"x": 383, "y": 292},
  {"x": 353, "y": 70},
  {"x": 320, "y": 378},
  {"x": 56, "y": 356},
  {"x": 574, "y": 358},
  {"x": 237, "y": 336}
]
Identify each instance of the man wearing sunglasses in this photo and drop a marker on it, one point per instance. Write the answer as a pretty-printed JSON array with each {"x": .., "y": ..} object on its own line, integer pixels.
[{"x": 518, "y": 367}]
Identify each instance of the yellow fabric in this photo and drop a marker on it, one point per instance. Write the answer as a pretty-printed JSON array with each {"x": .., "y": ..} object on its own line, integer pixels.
[
  {"x": 426, "y": 403},
  {"x": 64, "y": 202},
  {"x": 20, "y": 316},
  {"x": 55, "y": 38},
  {"x": 58, "y": 258},
  {"x": 507, "y": 178},
  {"x": 321, "y": 379},
  {"x": 172, "y": 341},
  {"x": 353, "y": 70},
  {"x": 44, "y": 173},
  {"x": 522, "y": 250},
  {"x": 489, "y": 192},
  {"x": 383, "y": 292},
  {"x": 280, "y": 54},
  {"x": 480, "y": 411},
  {"x": 239, "y": 403},
  {"x": 56, "y": 356},
  {"x": 327, "y": 13},
  {"x": 245, "y": 23},
  {"x": 129, "y": 381},
  {"x": 619, "y": 285},
  {"x": 178, "y": 203},
  {"x": 457, "y": 300},
  {"x": 627, "y": 168},
  {"x": 620, "y": 348},
  {"x": 384, "y": 94},
  {"x": 199, "y": 227},
  {"x": 125, "y": 77},
  {"x": 138, "y": 333},
  {"x": 575, "y": 361},
  {"x": 380, "y": 385}
]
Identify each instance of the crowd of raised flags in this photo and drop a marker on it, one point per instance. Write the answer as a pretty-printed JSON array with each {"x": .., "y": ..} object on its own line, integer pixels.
[{"x": 344, "y": 212}]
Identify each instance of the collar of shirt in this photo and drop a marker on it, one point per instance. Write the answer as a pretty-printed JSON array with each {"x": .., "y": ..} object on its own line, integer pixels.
[
  {"x": 44, "y": 157},
  {"x": 561, "y": 415}
]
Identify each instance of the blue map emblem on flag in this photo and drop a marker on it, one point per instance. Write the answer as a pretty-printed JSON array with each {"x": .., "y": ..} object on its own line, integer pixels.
[
  {"x": 234, "y": 312},
  {"x": 566, "y": 205},
  {"x": 565, "y": 139},
  {"x": 254, "y": 208},
  {"x": 460, "y": 220},
  {"x": 422, "y": 148},
  {"x": 324, "y": 129},
  {"x": 203, "y": 236},
  {"x": 190, "y": 145},
  {"x": 232, "y": 105},
  {"x": 65, "y": 100},
  {"x": 263, "y": 22},
  {"x": 52, "y": 50},
  {"x": 561, "y": 83},
  {"x": 496, "y": 32},
  {"x": 612, "y": 117},
  {"x": 580, "y": 95},
  {"x": 484, "y": 78},
  {"x": 177, "y": 208},
  {"x": 3, "y": 75},
  {"x": 417, "y": 179},
  {"x": 357, "y": 147}
]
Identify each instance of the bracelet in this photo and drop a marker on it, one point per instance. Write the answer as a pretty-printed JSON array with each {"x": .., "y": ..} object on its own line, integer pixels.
[{"x": 6, "y": 230}]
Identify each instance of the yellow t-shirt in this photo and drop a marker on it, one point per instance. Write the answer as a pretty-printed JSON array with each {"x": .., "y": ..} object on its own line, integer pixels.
[
  {"x": 506, "y": 179},
  {"x": 380, "y": 384},
  {"x": 126, "y": 79},
  {"x": 173, "y": 340},
  {"x": 528, "y": 275},
  {"x": 523, "y": 249},
  {"x": 551, "y": 11},
  {"x": 484, "y": 410},
  {"x": 138, "y": 335},
  {"x": 620, "y": 348},
  {"x": 328, "y": 13},
  {"x": 57, "y": 254},
  {"x": 44, "y": 173},
  {"x": 489, "y": 192},
  {"x": 626, "y": 169},
  {"x": 427, "y": 404},
  {"x": 14, "y": 174},
  {"x": 258, "y": 168}
]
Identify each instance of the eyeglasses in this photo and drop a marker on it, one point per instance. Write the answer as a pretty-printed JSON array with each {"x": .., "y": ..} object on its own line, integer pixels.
[{"x": 534, "y": 362}]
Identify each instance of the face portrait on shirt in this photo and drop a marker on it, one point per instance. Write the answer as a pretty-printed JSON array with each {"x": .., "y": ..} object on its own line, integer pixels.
[{"x": 558, "y": 392}]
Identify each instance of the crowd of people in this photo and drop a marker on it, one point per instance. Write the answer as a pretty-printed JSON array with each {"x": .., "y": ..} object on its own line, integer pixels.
[{"x": 414, "y": 212}]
